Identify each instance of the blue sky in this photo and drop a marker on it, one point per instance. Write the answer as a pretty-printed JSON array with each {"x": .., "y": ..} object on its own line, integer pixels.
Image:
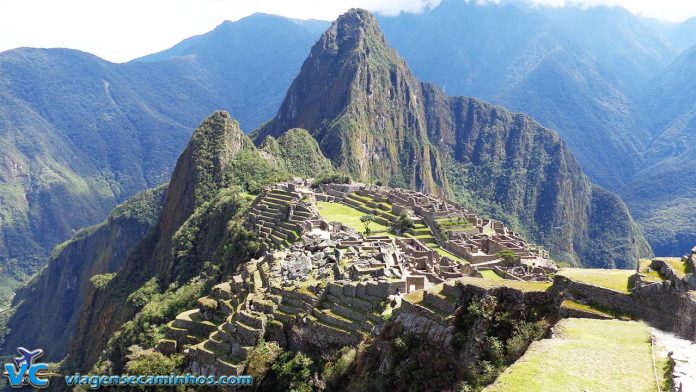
[{"x": 120, "y": 30}]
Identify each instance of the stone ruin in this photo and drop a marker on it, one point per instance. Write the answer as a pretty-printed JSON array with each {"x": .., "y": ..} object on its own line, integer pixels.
[{"x": 333, "y": 282}]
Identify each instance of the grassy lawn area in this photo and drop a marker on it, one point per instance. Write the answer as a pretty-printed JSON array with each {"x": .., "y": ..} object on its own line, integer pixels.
[
  {"x": 570, "y": 304},
  {"x": 515, "y": 284},
  {"x": 612, "y": 279},
  {"x": 337, "y": 212},
  {"x": 444, "y": 252},
  {"x": 678, "y": 266},
  {"x": 651, "y": 275},
  {"x": 490, "y": 274},
  {"x": 585, "y": 355}
]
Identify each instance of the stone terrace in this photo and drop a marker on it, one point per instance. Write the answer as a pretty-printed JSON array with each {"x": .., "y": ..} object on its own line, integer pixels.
[
  {"x": 323, "y": 277},
  {"x": 453, "y": 227}
]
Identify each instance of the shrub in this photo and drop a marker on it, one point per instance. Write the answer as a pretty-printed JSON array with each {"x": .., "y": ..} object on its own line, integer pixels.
[
  {"x": 142, "y": 361},
  {"x": 261, "y": 358},
  {"x": 333, "y": 371},
  {"x": 403, "y": 224},
  {"x": 366, "y": 221},
  {"x": 333, "y": 178},
  {"x": 507, "y": 255},
  {"x": 524, "y": 334},
  {"x": 294, "y": 372},
  {"x": 100, "y": 281}
]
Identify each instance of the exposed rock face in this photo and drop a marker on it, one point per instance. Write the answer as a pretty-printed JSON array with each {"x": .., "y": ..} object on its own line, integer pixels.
[
  {"x": 685, "y": 325},
  {"x": 362, "y": 104},
  {"x": 196, "y": 178},
  {"x": 371, "y": 117},
  {"x": 50, "y": 305}
]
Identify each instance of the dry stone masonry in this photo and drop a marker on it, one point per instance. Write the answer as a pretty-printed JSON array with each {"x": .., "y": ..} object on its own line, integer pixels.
[{"x": 328, "y": 281}]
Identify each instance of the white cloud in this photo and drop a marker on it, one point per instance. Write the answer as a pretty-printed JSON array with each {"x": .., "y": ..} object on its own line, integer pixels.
[{"x": 120, "y": 30}]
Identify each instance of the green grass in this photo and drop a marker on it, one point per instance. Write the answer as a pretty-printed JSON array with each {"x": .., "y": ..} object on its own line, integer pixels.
[
  {"x": 611, "y": 279},
  {"x": 490, "y": 275},
  {"x": 585, "y": 355},
  {"x": 678, "y": 265},
  {"x": 570, "y": 304},
  {"x": 650, "y": 274},
  {"x": 349, "y": 216},
  {"x": 444, "y": 252},
  {"x": 515, "y": 284}
]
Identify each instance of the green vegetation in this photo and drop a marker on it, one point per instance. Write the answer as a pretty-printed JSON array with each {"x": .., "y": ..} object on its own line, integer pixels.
[
  {"x": 366, "y": 220},
  {"x": 403, "y": 224},
  {"x": 570, "y": 304},
  {"x": 298, "y": 152},
  {"x": 293, "y": 372},
  {"x": 349, "y": 216},
  {"x": 585, "y": 355},
  {"x": 333, "y": 178},
  {"x": 677, "y": 264},
  {"x": 252, "y": 172},
  {"x": 336, "y": 369},
  {"x": 650, "y": 274},
  {"x": 507, "y": 255},
  {"x": 142, "y": 361},
  {"x": 515, "y": 284},
  {"x": 490, "y": 275},
  {"x": 261, "y": 358},
  {"x": 157, "y": 309},
  {"x": 616, "y": 280},
  {"x": 101, "y": 280}
]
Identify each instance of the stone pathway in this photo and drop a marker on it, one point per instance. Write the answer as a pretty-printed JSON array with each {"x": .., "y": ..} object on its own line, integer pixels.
[{"x": 684, "y": 354}]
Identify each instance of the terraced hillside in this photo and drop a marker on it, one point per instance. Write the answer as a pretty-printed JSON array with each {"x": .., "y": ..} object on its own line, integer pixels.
[{"x": 276, "y": 214}]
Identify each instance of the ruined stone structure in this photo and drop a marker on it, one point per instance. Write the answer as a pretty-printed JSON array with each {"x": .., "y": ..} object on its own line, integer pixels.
[
  {"x": 323, "y": 279},
  {"x": 459, "y": 230}
]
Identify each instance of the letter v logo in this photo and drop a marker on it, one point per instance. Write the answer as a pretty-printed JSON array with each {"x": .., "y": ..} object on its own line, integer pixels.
[{"x": 16, "y": 376}]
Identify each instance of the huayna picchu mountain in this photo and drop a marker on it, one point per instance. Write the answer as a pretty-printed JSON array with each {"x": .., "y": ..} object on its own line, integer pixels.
[
  {"x": 373, "y": 119},
  {"x": 361, "y": 102}
]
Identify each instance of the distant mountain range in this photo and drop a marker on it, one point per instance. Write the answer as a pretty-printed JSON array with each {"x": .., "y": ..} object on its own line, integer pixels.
[{"x": 79, "y": 134}]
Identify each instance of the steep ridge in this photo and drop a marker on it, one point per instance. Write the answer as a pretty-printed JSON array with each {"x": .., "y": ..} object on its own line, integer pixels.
[
  {"x": 201, "y": 228},
  {"x": 364, "y": 107},
  {"x": 367, "y": 119},
  {"x": 518, "y": 57},
  {"x": 68, "y": 281},
  {"x": 197, "y": 174},
  {"x": 662, "y": 193}
]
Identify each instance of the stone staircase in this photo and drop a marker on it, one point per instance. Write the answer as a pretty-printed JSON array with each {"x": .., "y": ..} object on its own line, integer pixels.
[{"x": 276, "y": 215}]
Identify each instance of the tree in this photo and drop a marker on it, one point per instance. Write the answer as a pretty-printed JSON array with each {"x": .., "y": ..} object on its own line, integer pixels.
[
  {"x": 507, "y": 255},
  {"x": 366, "y": 220},
  {"x": 403, "y": 224}
]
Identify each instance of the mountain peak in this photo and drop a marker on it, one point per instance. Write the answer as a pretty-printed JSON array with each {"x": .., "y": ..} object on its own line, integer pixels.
[
  {"x": 359, "y": 100},
  {"x": 355, "y": 30}
]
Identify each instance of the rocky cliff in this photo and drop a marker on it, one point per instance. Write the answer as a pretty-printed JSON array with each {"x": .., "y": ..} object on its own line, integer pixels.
[
  {"x": 78, "y": 266},
  {"x": 362, "y": 104}
]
